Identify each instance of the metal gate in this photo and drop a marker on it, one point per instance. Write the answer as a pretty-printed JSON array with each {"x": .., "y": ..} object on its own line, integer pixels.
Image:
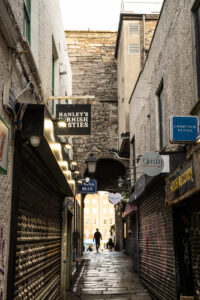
[
  {"x": 38, "y": 245},
  {"x": 157, "y": 270},
  {"x": 195, "y": 241}
]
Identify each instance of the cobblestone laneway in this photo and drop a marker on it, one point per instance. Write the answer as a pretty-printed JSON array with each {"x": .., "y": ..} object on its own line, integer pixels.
[{"x": 108, "y": 275}]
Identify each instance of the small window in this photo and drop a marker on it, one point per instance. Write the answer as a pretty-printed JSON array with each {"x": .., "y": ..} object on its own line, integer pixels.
[
  {"x": 87, "y": 233},
  {"x": 105, "y": 222},
  {"x": 87, "y": 201},
  {"x": 94, "y": 201},
  {"x": 133, "y": 49},
  {"x": 87, "y": 211},
  {"x": 104, "y": 201},
  {"x": 105, "y": 210},
  {"x": 94, "y": 210},
  {"x": 111, "y": 211},
  {"x": 161, "y": 107},
  {"x": 133, "y": 28},
  {"x": 27, "y": 20},
  {"x": 110, "y": 221},
  {"x": 86, "y": 221},
  {"x": 94, "y": 221}
]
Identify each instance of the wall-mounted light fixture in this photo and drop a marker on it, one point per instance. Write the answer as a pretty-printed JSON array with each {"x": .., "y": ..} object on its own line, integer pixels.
[
  {"x": 35, "y": 141},
  {"x": 68, "y": 146},
  {"x": 91, "y": 163},
  {"x": 61, "y": 124},
  {"x": 198, "y": 139},
  {"x": 124, "y": 183}
]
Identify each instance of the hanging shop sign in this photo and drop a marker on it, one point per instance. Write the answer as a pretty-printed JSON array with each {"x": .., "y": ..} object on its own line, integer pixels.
[
  {"x": 151, "y": 164},
  {"x": 130, "y": 209},
  {"x": 77, "y": 118},
  {"x": 184, "y": 129},
  {"x": 114, "y": 198},
  {"x": 4, "y": 143},
  {"x": 181, "y": 182},
  {"x": 88, "y": 187}
]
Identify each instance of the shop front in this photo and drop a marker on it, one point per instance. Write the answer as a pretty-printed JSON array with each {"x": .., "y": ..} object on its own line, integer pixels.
[
  {"x": 183, "y": 194},
  {"x": 38, "y": 242}
]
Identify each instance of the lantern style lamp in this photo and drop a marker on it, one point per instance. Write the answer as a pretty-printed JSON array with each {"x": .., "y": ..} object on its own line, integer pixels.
[{"x": 91, "y": 163}]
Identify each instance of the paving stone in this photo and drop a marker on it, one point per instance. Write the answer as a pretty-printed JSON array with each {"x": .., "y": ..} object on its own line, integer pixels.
[{"x": 109, "y": 275}]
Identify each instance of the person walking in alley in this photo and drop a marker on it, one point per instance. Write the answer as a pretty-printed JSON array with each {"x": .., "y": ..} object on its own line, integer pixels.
[{"x": 97, "y": 237}]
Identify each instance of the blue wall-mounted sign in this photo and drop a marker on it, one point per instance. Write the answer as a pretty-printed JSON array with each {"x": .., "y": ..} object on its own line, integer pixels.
[
  {"x": 88, "y": 187},
  {"x": 184, "y": 129}
]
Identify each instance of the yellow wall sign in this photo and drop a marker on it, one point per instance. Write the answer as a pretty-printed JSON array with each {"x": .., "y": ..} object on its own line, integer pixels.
[{"x": 181, "y": 182}]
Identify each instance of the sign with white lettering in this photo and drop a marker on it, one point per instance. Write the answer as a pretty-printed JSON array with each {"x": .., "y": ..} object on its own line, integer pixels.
[
  {"x": 151, "y": 164},
  {"x": 77, "y": 118},
  {"x": 88, "y": 187},
  {"x": 184, "y": 129}
]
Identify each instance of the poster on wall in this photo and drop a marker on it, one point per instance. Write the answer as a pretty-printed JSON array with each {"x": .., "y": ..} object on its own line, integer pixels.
[
  {"x": 77, "y": 118},
  {"x": 4, "y": 142}
]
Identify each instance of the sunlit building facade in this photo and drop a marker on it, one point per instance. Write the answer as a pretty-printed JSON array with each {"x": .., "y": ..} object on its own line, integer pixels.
[{"x": 98, "y": 213}]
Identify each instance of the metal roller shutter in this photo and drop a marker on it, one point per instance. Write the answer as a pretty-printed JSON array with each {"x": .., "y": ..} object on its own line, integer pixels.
[
  {"x": 38, "y": 246},
  {"x": 195, "y": 241},
  {"x": 157, "y": 269}
]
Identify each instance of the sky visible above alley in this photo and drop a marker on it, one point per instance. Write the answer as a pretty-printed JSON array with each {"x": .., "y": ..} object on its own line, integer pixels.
[{"x": 101, "y": 14}]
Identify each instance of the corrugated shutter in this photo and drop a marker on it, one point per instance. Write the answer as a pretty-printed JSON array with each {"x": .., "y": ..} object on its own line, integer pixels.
[
  {"x": 157, "y": 270},
  {"x": 135, "y": 245},
  {"x": 38, "y": 249},
  {"x": 195, "y": 241}
]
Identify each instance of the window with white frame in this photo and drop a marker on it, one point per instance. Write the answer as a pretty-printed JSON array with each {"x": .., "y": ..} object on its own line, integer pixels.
[
  {"x": 86, "y": 221},
  {"x": 94, "y": 210},
  {"x": 87, "y": 210}
]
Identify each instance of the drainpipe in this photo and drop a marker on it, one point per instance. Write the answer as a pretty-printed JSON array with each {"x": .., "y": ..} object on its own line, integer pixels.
[{"x": 144, "y": 45}]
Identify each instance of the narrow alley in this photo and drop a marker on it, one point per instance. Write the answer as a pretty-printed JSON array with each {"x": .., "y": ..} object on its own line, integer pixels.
[{"x": 108, "y": 275}]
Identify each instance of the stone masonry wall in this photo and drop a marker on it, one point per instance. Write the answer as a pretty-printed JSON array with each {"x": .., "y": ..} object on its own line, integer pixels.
[{"x": 94, "y": 72}]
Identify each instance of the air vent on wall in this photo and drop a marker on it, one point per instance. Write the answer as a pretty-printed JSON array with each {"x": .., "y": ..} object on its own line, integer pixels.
[
  {"x": 133, "y": 49},
  {"x": 133, "y": 28}
]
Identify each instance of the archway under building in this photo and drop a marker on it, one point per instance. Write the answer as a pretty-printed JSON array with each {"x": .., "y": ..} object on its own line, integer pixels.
[
  {"x": 108, "y": 170},
  {"x": 98, "y": 211}
]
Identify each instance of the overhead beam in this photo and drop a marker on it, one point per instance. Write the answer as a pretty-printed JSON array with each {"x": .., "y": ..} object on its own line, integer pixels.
[{"x": 71, "y": 98}]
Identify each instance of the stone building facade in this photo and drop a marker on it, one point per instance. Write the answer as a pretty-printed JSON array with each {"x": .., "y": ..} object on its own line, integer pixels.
[
  {"x": 26, "y": 69},
  {"x": 134, "y": 37},
  {"x": 94, "y": 72},
  {"x": 168, "y": 219}
]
